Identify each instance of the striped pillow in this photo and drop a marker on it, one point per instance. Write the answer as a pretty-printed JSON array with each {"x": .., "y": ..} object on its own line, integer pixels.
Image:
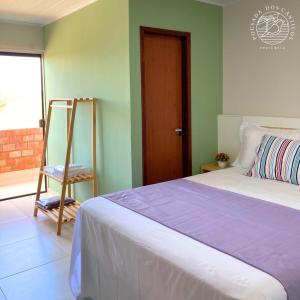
[{"x": 277, "y": 159}]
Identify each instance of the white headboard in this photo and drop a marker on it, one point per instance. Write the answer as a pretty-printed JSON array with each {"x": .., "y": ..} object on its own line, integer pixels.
[{"x": 229, "y": 127}]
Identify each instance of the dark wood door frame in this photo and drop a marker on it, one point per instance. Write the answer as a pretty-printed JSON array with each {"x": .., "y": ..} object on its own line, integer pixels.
[{"x": 186, "y": 93}]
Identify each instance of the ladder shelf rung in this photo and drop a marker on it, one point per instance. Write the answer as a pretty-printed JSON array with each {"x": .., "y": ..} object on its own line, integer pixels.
[
  {"x": 69, "y": 212},
  {"x": 72, "y": 100},
  {"x": 70, "y": 180},
  {"x": 61, "y": 106}
]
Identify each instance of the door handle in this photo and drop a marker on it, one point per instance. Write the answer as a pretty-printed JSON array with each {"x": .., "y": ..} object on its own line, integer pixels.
[
  {"x": 179, "y": 131},
  {"x": 42, "y": 123}
]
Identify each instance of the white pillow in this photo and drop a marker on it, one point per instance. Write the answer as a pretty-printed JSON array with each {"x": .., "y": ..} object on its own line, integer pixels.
[{"x": 250, "y": 138}]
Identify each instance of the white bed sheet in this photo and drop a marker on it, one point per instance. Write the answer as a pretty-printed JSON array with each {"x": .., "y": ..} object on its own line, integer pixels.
[{"x": 126, "y": 256}]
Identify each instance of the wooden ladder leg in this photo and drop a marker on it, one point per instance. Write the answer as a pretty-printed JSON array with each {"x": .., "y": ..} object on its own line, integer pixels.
[
  {"x": 43, "y": 159},
  {"x": 61, "y": 208},
  {"x": 69, "y": 188},
  {"x": 38, "y": 194},
  {"x": 66, "y": 169},
  {"x": 94, "y": 154}
]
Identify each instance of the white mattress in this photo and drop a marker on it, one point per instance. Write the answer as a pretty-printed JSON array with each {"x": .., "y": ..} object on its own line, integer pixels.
[{"x": 126, "y": 256}]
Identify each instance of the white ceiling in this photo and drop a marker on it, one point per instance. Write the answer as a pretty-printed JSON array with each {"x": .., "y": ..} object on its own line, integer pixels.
[
  {"x": 219, "y": 2},
  {"x": 42, "y": 12},
  {"x": 38, "y": 12}
]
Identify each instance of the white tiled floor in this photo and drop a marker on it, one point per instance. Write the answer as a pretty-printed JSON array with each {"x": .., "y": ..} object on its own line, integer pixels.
[{"x": 34, "y": 262}]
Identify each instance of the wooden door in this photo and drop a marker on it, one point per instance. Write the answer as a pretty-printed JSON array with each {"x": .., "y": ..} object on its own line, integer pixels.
[{"x": 166, "y": 136}]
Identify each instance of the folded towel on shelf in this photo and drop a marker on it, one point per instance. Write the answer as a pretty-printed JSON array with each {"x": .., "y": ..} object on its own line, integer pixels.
[
  {"x": 74, "y": 170},
  {"x": 53, "y": 202},
  {"x": 72, "y": 167},
  {"x": 49, "y": 170}
]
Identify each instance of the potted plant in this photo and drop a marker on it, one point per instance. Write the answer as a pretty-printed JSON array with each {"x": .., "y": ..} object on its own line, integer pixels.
[{"x": 222, "y": 159}]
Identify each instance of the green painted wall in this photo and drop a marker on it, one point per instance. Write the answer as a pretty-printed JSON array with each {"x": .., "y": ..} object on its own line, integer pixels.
[
  {"x": 21, "y": 37},
  {"x": 205, "y": 24},
  {"x": 87, "y": 55},
  {"x": 96, "y": 52}
]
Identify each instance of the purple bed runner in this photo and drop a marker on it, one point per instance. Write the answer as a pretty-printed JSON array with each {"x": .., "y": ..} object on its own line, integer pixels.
[{"x": 261, "y": 234}]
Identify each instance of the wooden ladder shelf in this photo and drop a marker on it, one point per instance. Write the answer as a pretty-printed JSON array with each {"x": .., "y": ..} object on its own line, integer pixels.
[{"x": 66, "y": 213}]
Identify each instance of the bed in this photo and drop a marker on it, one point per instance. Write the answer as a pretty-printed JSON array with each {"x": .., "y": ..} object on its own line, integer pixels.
[{"x": 120, "y": 254}]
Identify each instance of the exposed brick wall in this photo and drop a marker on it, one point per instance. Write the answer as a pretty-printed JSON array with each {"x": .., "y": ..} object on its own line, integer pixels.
[{"x": 20, "y": 149}]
